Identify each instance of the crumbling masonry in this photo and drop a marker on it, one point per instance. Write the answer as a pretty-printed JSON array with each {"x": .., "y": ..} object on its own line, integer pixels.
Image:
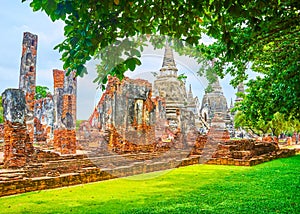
[
  {"x": 144, "y": 128},
  {"x": 65, "y": 112},
  {"x": 17, "y": 145},
  {"x": 27, "y": 79}
]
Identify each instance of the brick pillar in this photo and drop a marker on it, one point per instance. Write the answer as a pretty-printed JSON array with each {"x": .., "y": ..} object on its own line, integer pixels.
[
  {"x": 58, "y": 76},
  {"x": 68, "y": 142},
  {"x": 17, "y": 145},
  {"x": 65, "y": 107},
  {"x": 27, "y": 79},
  {"x": 70, "y": 88}
]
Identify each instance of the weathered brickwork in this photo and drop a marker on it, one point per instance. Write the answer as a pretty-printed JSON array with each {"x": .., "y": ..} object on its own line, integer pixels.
[
  {"x": 55, "y": 175},
  {"x": 65, "y": 112},
  {"x": 27, "y": 79},
  {"x": 58, "y": 77},
  {"x": 69, "y": 101},
  {"x": 218, "y": 131},
  {"x": 17, "y": 145},
  {"x": 131, "y": 131},
  {"x": 249, "y": 157},
  {"x": 65, "y": 141},
  {"x": 238, "y": 152},
  {"x": 69, "y": 111},
  {"x": 49, "y": 172},
  {"x": 129, "y": 113},
  {"x": 1, "y": 132}
]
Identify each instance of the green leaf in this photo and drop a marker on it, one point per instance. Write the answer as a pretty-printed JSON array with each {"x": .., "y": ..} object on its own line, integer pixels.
[
  {"x": 131, "y": 63},
  {"x": 135, "y": 52}
]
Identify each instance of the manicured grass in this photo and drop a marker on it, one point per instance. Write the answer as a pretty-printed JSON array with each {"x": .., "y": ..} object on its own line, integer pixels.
[{"x": 272, "y": 187}]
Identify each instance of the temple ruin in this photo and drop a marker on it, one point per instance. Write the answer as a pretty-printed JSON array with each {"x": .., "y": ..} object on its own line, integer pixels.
[
  {"x": 214, "y": 102},
  {"x": 136, "y": 127},
  {"x": 141, "y": 113}
]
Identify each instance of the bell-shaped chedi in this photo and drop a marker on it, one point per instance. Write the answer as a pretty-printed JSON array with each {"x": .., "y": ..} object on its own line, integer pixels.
[
  {"x": 213, "y": 102},
  {"x": 168, "y": 86}
]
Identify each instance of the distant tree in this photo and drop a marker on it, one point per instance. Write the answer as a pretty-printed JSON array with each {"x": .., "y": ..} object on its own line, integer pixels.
[
  {"x": 277, "y": 125},
  {"x": 78, "y": 122},
  {"x": 257, "y": 127},
  {"x": 41, "y": 92},
  {"x": 293, "y": 126}
]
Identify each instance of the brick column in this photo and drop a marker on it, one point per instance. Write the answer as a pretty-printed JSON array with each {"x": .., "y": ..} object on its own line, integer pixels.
[
  {"x": 65, "y": 107},
  {"x": 58, "y": 76},
  {"x": 70, "y": 88},
  {"x": 27, "y": 79},
  {"x": 17, "y": 145}
]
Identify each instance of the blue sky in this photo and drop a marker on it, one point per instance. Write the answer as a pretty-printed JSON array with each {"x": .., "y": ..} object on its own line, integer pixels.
[{"x": 17, "y": 17}]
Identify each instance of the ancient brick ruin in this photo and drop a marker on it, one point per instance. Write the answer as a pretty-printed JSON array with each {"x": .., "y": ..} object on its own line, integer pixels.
[
  {"x": 130, "y": 114},
  {"x": 45, "y": 120},
  {"x": 27, "y": 79},
  {"x": 137, "y": 127},
  {"x": 17, "y": 145},
  {"x": 65, "y": 88},
  {"x": 139, "y": 117}
]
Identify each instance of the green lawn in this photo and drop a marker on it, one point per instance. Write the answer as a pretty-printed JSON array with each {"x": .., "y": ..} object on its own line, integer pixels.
[{"x": 272, "y": 187}]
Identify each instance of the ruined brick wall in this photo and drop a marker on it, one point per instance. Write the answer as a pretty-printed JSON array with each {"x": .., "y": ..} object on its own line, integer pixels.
[
  {"x": 128, "y": 111},
  {"x": 247, "y": 152},
  {"x": 17, "y": 145},
  {"x": 65, "y": 112},
  {"x": 27, "y": 79},
  {"x": 70, "y": 89},
  {"x": 58, "y": 77},
  {"x": 21, "y": 184},
  {"x": 44, "y": 119},
  {"x": 65, "y": 141},
  {"x": 133, "y": 117},
  {"x": 68, "y": 116}
]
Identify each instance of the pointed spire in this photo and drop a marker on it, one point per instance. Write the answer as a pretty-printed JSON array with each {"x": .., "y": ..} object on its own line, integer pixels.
[
  {"x": 190, "y": 94},
  {"x": 168, "y": 57},
  {"x": 190, "y": 89},
  {"x": 216, "y": 86},
  {"x": 231, "y": 103},
  {"x": 168, "y": 61}
]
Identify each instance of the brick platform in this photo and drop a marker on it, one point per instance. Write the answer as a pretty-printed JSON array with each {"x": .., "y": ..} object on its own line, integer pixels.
[{"x": 65, "y": 141}]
